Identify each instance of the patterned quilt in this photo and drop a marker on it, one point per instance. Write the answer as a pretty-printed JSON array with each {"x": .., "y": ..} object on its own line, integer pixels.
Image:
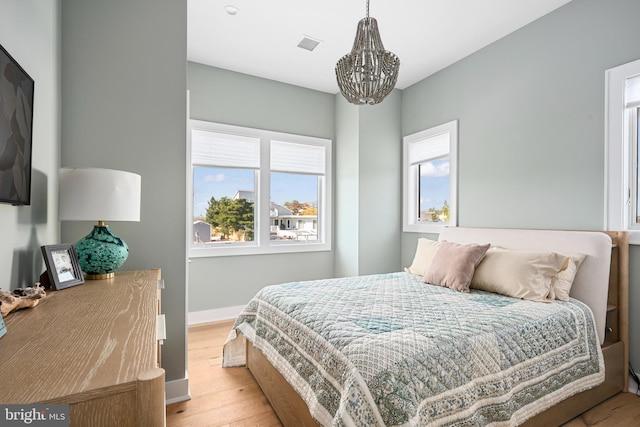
[{"x": 389, "y": 350}]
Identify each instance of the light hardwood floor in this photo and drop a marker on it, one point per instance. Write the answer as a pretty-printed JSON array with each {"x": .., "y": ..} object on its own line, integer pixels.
[{"x": 231, "y": 398}]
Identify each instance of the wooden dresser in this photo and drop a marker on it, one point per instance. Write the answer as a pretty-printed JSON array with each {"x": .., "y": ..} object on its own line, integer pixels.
[{"x": 93, "y": 346}]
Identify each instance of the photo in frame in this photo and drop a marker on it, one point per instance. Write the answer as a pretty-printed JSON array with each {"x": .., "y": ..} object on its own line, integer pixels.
[
  {"x": 63, "y": 268},
  {"x": 16, "y": 130}
]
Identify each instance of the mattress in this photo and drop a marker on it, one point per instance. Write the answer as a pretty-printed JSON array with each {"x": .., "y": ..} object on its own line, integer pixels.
[{"x": 389, "y": 350}]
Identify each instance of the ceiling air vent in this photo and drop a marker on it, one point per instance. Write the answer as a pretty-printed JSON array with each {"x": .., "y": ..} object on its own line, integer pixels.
[{"x": 308, "y": 43}]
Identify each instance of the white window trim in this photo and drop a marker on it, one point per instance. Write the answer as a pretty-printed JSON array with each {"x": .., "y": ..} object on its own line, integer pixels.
[
  {"x": 410, "y": 175},
  {"x": 631, "y": 124},
  {"x": 262, "y": 243},
  {"x": 617, "y": 215}
]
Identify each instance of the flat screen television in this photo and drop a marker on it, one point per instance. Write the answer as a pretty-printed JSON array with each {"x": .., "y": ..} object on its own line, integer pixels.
[{"x": 16, "y": 126}]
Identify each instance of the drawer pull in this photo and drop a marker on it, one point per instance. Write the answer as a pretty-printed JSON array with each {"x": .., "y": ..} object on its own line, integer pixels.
[{"x": 161, "y": 330}]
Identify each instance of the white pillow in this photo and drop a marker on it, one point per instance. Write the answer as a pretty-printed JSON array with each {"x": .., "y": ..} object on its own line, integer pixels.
[
  {"x": 425, "y": 251},
  {"x": 561, "y": 283},
  {"x": 519, "y": 274}
]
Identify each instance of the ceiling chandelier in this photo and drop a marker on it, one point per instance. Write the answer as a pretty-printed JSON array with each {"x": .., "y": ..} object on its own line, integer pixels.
[{"x": 368, "y": 73}]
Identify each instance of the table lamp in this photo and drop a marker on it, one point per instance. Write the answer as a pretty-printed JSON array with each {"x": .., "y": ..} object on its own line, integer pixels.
[{"x": 91, "y": 194}]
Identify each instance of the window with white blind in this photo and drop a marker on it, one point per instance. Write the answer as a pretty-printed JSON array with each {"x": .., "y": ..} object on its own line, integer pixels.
[
  {"x": 430, "y": 179},
  {"x": 256, "y": 191},
  {"x": 622, "y": 123}
]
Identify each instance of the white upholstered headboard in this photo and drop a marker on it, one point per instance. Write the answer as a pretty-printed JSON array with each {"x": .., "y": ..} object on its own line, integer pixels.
[{"x": 591, "y": 284}]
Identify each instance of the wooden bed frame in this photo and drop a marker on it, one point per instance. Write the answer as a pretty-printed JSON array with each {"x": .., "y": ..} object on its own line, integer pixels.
[{"x": 293, "y": 411}]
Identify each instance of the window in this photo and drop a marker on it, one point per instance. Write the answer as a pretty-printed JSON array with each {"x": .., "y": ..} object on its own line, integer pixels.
[
  {"x": 634, "y": 122},
  {"x": 430, "y": 179},
  {"x": 256, "y": 191},
  {"x": 622, "y": 198}
]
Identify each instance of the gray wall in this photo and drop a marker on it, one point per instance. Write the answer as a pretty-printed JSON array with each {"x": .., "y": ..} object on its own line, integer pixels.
[
  {"x": 124, "y": 107},
  {"x": 223, "y": 96},
  {"x": 380, "y": 189},
  {"x": 347, "y": 188},
  {"x": 30, "y": 32},
  {"x": 368, "y": 187},
  {"x": 531, "y": 123}
]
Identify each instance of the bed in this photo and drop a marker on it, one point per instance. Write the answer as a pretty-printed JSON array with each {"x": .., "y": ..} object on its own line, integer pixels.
[{"x": 389, "y": 349}]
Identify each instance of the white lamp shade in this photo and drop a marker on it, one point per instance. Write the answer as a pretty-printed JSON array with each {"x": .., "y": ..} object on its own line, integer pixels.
[{"x": 91, "y": 194}]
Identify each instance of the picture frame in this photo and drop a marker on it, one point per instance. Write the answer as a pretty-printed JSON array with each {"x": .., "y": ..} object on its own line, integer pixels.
[
  {"x": 16, "y": 131},
  {"x": 63, "y": 268}
]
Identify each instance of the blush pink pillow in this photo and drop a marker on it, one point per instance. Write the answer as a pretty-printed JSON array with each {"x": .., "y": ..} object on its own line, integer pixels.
[{"x": 453, "y": 265}]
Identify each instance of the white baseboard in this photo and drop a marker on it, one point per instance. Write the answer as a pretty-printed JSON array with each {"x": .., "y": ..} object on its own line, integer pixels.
[
  {"x": 633, "y": 387},
  {"x": 208, "y": 316},
  {"x": 177, "y": 390}
]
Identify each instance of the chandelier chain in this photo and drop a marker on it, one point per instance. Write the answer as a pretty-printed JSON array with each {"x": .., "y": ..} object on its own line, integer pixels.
[{"x": 367, "y": 8}]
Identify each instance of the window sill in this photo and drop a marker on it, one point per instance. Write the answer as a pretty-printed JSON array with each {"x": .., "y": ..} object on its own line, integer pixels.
[
  {"x": 257, "y": 250},
  {"x": 634, "y": 237},
  {"x": 424, "y": 228}
]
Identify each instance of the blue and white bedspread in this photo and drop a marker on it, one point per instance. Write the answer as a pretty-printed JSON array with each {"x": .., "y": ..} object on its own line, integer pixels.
[{"x": 389, "y": 350}]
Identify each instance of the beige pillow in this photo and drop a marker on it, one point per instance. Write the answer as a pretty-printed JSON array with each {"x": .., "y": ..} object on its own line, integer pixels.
[
  {"x": 518, "y": 274},
  {"x": 453, "y": 265},
  {"x": 561, "y": 283},
  {"x": 424, "y": 254}
]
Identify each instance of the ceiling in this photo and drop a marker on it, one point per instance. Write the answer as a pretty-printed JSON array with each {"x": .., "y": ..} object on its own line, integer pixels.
[{"x": 427, "y": 35}]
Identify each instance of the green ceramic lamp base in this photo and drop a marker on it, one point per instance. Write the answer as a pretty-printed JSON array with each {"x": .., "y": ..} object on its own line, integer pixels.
[{"x": 101, "y": 253}]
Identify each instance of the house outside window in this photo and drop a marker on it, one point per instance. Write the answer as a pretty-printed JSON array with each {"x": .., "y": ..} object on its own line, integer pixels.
[
  {"x": 430, "y": 179},
  {"x": 622, "y": 189},
  {"x": 256, "y": 191}
]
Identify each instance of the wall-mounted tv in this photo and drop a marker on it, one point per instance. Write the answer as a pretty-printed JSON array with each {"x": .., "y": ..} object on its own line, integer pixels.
[{"x": 16, "y": 126}]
